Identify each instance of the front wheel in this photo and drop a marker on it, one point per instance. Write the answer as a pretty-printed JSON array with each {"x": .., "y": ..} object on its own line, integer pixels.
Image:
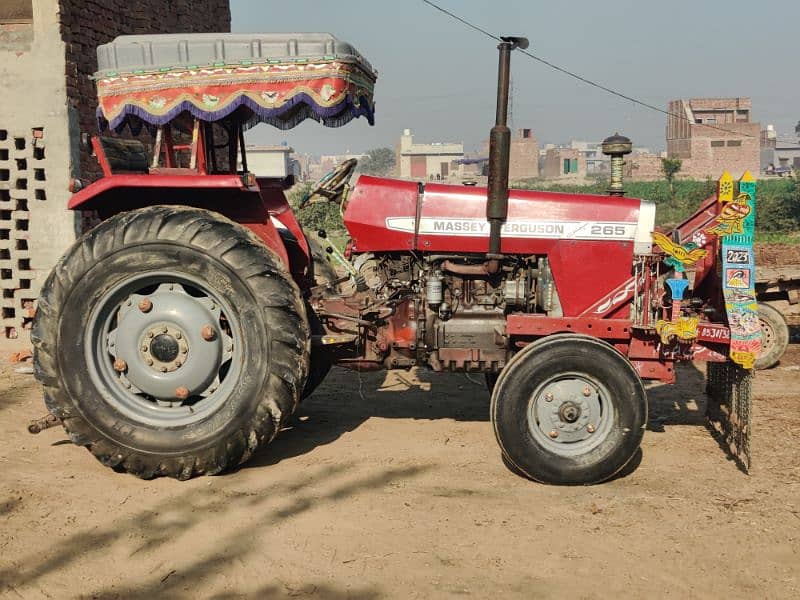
[
  {"x": 170, "y": 341},
  {"x": 569, "y": 409}
]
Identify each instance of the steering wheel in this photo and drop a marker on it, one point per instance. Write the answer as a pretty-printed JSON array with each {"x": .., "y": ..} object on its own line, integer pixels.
[{"x": 334, "y": 183}]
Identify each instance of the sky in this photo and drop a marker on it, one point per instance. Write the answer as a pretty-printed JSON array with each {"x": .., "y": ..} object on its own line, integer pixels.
[{"x": 438, "y": 78}]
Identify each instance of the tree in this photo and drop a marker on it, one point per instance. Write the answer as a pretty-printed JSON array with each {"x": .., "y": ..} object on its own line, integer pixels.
[
  {"x": 378, "y": 161},
  {"x": 671, "y": 167}
]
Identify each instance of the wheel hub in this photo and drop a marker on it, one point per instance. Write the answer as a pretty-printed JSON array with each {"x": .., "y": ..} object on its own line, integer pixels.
[
  {"x": 567, "y": 411},
  {"x": 163, "y": 338},
  {"x": 164, "y": 348}
]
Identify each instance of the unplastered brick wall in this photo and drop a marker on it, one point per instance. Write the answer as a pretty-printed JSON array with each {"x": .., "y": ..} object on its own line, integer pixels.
[
  {"x": 86, "y": 24},
  {"x": 22, "y": 181}
]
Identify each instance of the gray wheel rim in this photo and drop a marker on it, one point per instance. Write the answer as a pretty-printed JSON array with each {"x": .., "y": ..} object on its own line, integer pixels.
[
  {"x": 570, "y": 413},
  {"x": 164, "y": 349}
]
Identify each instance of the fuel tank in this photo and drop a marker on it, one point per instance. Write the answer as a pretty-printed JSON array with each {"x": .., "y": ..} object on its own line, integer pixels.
[{"x": 589, "y": 239}]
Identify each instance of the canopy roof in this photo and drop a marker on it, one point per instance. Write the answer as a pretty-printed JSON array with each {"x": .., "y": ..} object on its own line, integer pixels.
[{"x": 280, "y": 79}]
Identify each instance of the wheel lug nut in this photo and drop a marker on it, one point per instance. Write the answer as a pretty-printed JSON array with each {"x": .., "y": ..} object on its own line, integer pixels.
[
  {"x": 182, "y": 393},
  {"x": 178, "y": 335},
  {"x": 120, "y": 366},
  {"x": 208, "y": 333},
  {"x": 145, "y": 305},
  {"x": 590, "y": 428},
  {"x": 150, "y": 334},
  {"x": 548, "y": 397},
  {"x": 149, "y": 362},
  {"x": 554, "y": 434},
  {"x": 144, "y": 348},
  {"x": 587, "y": 391},
  {"x": 163, "y": 369},
  {"x": 178, "y": 363},
  {"x": 164, "y": 329},
  {"x": 184, "y": 349}
]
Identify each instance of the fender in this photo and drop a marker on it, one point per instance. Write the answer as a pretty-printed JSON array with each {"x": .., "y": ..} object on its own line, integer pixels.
[{"x": 227, "y": 195}]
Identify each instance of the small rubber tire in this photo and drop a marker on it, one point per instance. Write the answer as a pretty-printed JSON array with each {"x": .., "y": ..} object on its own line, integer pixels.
[
  {"x": 242, "y": 271},
  {"x": 775, "y": 336},
  {"x": 540, "y": 362}
]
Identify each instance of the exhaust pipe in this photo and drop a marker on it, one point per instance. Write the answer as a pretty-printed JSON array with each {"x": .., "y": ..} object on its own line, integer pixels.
[{"x": 500, "y": 148}]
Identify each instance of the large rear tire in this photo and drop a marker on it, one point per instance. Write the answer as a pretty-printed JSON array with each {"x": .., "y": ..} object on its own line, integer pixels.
[
  {"x": 775, "y": 336},
  {"x": 569, "y": 409},
  {"x": 171, "y": 341}
]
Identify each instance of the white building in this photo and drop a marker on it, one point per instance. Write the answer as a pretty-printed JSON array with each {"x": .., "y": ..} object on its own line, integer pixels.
[{"x": 430, "y": 162}]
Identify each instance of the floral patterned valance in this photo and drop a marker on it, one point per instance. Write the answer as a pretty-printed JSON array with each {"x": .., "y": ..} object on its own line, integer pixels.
[{"x": 282, "y": 94}]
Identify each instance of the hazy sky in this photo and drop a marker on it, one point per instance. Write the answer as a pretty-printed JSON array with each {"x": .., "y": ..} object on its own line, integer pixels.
[{"x": 438, "y": 78}]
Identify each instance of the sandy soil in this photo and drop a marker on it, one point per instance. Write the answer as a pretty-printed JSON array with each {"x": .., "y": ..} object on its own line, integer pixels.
[{"x": 392, "y": 486}]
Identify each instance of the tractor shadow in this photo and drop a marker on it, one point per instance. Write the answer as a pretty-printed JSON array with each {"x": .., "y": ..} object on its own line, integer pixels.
[
  {"x": 346, "y": 399},
  {"x": 685, "y": 403},
  {"x": 682, "y": 403}
]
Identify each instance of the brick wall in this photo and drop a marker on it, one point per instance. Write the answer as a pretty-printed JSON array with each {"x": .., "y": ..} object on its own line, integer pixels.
[
  {"x": 85, "y": 24},
  {"x": 524, "y": 156},
  {"x": 643, "y": 167}
]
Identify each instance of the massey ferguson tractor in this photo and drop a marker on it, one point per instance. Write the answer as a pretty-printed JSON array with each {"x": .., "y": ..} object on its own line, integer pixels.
[{"x": 178, "y": 335}]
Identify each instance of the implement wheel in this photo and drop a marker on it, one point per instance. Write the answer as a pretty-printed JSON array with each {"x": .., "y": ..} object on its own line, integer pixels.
[
  {"x": 774, "y": 336},
  {"x": 569, "y": 409},
  {"x": 171, "y": 341}
]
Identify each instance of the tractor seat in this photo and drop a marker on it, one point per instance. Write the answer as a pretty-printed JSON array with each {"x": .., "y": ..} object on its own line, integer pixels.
[{"x": 129, "y": 156}]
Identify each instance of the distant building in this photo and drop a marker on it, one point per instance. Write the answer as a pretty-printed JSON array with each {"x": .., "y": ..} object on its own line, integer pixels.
[
  {"x": 431, "y": 162},
  {"x": 778, "y": 157},
  {"x": 643, "y": 166},
  {"x": 597, "y": 163},
  {"x": 712, "y": 135},
  {"x": 524, "y": 157},
  {"x": 563, "y": 163},
  {"x": 592, "y": 152}
]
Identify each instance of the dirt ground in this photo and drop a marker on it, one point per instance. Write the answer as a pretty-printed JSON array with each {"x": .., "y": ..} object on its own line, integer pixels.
[
  {"x": 776, "y": 255},
  {"x": 391, "y": 486}
]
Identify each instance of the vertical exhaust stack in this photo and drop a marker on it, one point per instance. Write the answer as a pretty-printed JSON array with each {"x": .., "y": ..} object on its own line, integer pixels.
[{"x": 500, "y": 147}]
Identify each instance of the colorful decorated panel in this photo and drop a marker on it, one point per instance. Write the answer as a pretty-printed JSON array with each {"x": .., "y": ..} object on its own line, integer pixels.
[{"x": 280, "y": 79}]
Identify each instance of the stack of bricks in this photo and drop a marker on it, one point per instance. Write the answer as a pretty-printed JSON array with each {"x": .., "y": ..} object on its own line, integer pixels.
[
  {"x": 86, "y": 24},
  {"x": 22, "y": 177}
]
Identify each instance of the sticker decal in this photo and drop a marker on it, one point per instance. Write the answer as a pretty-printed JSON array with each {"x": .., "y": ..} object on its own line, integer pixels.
[{"x": 517, "y": 228}]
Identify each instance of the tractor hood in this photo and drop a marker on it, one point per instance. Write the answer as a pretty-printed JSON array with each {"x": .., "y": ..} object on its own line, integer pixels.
[{"x": 382, "y": 215}]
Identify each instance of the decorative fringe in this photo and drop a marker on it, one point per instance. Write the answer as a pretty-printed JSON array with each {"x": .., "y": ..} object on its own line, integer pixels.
[{"x": 296, "y": 110}]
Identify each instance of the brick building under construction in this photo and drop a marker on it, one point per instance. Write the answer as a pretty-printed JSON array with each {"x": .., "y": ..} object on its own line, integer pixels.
[
  {"x": 47, "y": 55},
  {"x": 711, "y": 135}
]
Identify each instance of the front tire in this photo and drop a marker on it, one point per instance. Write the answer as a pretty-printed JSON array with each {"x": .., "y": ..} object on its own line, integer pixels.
[
  {"x": 171, "y": 341},
  {"x": 569, "y": 409}
]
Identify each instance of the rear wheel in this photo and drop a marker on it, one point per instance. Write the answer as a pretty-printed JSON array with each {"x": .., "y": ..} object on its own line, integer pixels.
[
  {"x": 774, "y": 336},
  {"x": 170, "y": 341},
  {"x": 569, "y": 409}
]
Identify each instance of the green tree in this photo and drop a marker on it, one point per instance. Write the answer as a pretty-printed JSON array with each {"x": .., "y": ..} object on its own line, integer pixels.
[
  {"x": 378, "y": 161},
  {"x": 671, "y": 167}
]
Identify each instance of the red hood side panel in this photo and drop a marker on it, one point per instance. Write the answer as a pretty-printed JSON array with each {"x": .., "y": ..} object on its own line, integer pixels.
[{"x": 371, "y": 201}]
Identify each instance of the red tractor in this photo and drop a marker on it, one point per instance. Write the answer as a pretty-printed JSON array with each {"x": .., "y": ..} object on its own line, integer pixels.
[{"x": 178, "y": 335}]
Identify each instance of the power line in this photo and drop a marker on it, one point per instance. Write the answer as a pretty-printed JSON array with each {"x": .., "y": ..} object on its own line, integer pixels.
[{"x": 587, "y": 81}]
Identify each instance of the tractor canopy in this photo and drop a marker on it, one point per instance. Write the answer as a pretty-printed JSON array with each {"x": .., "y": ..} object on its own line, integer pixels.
[{"x": 278, "y": 78}]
